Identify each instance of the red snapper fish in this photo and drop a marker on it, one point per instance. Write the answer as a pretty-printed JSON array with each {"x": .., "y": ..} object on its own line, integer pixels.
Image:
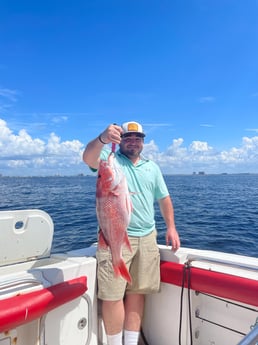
[{"x": 113, "y": 207}]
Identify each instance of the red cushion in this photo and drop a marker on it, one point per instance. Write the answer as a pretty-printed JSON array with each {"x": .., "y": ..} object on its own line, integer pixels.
[{"x": 23, "y": 308}]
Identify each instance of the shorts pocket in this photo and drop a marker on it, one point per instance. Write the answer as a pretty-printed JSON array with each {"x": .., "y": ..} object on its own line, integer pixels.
[{"x": 104, "y": 265}]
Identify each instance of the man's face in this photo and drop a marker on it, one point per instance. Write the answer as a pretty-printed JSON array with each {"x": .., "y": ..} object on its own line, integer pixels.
[{"x": 131, "y": 145}]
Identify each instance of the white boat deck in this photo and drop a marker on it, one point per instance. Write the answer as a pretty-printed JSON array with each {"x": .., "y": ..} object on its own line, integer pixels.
[{"x": 206, "y": 297}]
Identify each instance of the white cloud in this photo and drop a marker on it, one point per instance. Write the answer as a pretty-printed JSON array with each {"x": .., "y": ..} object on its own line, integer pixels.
[
  {"x": 28, "y": 154},
  {"x": 200, "y": 156},
  {"x": 199, "y": 147},
  {"x": 206, "y": 125},
  {"x": 22, "y": 154},
  {"x": 12, "y": 145},
  {"x": 252, "y": 130},
  {"x": 59, "y": 119},
  {"x": 8, "y": 94},
  {"x": 7, "y": 98},
  {"x": 69, "y": 151},
  {"x": 247, "y": 153},
  {"x": 206, "y": 99}
]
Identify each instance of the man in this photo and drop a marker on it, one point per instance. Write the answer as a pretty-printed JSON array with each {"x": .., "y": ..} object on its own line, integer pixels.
[{"x": 123, "y": 304}]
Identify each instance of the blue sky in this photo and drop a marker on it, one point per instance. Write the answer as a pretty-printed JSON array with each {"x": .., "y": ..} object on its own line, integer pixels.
[{"x": 187, "y": 70}]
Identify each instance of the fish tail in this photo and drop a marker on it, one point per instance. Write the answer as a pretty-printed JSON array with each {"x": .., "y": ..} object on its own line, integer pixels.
[{"x": 122, "y": 270}]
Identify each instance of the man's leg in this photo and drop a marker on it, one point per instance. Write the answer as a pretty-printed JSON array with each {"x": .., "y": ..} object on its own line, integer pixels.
[
  {"x": 134, "y": 307},
  {"x": 113, "y": 317}
]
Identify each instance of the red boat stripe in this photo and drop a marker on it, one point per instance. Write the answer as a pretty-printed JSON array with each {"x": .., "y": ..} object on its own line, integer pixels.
[
  {"x": 23, "y": 308},
  {"x": 219, "y": 284}
]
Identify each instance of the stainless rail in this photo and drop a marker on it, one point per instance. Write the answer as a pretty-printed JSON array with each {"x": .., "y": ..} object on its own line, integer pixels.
[
  {"x": 251, "y": 338},
  {"x": 192, "y": 258}
]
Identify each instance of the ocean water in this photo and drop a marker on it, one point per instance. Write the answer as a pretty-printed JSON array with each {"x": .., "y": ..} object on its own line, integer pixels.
[{"x": 216, "y": 212}]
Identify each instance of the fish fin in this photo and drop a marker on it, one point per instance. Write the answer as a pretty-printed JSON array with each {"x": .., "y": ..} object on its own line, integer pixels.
[
  {"x": 102, "y": 241},
  {"x": 122, "y": 270},
  {"x": 129, "y": 205},
  {"x": 127, "y": 242}
]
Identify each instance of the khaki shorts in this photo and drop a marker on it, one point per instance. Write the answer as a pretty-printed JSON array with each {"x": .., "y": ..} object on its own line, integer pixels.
[{"x": 143, "y": 264}]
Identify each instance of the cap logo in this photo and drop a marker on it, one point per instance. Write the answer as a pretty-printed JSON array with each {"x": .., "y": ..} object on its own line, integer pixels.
[{"x": 133, "y": 127}]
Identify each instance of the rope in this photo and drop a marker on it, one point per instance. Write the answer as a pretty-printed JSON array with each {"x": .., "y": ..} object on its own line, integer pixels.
[
  {"x": 144, "y": 338},
  {"x": 189, "y": 302},
  {"x": 181, "y": 307},
  {"x": 187, "y": 269}
]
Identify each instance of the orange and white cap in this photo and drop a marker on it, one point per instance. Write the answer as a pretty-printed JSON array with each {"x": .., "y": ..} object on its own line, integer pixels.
[{"x": 132, "y": 127}]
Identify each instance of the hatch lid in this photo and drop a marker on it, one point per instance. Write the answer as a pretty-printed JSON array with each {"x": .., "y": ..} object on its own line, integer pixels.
[{"x": 25, "y": 235}]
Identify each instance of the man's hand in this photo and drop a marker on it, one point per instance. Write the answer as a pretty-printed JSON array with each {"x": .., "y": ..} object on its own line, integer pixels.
[
  {"x": 112, "y": 134},
  {"x": 173, "y": 238}
]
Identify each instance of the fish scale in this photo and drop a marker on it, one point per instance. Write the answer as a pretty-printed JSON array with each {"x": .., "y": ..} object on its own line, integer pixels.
[{"x": 113, "y": 208}]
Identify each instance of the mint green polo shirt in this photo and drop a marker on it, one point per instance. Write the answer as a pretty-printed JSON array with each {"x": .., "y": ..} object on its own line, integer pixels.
[{"x": 146, "y": 185}]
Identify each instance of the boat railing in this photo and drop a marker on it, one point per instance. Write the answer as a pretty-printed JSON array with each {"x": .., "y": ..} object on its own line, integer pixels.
[
  {"x": 251, "y": 338},
  {"x": 224, "y": 262}
]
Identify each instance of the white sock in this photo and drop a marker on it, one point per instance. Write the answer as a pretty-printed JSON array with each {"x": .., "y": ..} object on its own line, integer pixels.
[
  {"x": 115, "y": 339},
  {"x": 131, "y": 337}
]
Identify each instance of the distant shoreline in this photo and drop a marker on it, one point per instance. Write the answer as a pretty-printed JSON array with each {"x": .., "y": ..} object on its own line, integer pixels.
[{"x": 94, "y": 175}]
